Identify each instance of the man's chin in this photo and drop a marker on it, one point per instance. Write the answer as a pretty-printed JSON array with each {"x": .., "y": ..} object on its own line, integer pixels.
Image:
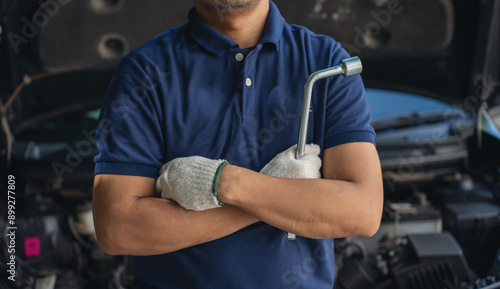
[{"x": 229, "y": 6}]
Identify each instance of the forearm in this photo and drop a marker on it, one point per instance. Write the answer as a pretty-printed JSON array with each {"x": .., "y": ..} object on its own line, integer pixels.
[
  {"x": 156, "y": 226},
  {"x": 146, "y": 225},
  {"x": 314, "y": 208}
]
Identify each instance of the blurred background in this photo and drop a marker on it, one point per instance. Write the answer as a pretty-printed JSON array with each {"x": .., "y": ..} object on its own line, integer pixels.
[{"x": 431, "y": 69}]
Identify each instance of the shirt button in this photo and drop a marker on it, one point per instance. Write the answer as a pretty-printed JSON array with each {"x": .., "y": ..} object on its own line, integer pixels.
[
  {"x": 248, "y": 82},
  {"x": 239, "y": 56}
]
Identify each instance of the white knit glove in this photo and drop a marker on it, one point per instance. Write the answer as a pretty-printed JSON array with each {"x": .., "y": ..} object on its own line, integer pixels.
[
  {"x": 191, "y": 182},
  {"x": 284, "y": 165}
]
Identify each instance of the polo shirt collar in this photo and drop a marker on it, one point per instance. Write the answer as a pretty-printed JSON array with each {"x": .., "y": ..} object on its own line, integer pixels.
[
  {"x": 274, "y": 26},
  {"x": 218, "y": 44}
]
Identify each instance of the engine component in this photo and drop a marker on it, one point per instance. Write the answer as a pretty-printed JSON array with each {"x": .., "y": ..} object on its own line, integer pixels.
[
  {"x": 476, "y": 227},
  {"x": 358, "y": 274},
  {"x": 430, "y": 261},
  {"x": 404, "y": 218},
  {"x": 423, "y": 261}
]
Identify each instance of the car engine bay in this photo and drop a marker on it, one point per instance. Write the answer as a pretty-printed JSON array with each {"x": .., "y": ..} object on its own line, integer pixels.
[{"x": 441, "y": 221}]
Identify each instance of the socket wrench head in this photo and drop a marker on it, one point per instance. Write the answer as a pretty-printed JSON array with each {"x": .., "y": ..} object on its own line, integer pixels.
[{"x": 351, "y": 66}]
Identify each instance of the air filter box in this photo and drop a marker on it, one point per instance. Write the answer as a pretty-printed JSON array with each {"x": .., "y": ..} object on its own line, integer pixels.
[
  {"x": 476, "y": 226},
  {"x": 430, "y": 261}
]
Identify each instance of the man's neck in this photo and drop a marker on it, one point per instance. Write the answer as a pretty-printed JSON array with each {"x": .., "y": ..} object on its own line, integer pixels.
[{"x": 245, "y": 27}]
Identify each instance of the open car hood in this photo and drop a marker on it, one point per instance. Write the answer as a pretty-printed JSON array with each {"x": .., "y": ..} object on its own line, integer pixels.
[{"x": 446, "y": 49}]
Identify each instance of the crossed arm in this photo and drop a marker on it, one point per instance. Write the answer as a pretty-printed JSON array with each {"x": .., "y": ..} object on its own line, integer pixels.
[{"x": 129, "y": 220}]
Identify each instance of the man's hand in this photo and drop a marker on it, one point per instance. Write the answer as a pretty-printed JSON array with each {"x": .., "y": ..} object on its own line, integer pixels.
[
  {"x": 285, "y": 165},
  {"x": 191, "y": 182}
]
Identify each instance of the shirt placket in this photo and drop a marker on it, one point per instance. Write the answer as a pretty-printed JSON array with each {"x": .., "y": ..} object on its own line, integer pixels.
[{"x": 245, "y": 60}]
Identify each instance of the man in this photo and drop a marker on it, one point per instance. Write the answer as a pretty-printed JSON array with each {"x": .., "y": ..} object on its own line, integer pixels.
[{"x": 229, "y": 85}]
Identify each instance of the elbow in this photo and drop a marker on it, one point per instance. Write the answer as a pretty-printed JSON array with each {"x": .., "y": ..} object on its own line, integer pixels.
[
  {"x": 371, "y": 214},
  {"x": 108, "y": 246},
  {"x": 106, "y": 241},
  {"x": 366, "y": 224},
  {"x": 369, "y": 229},
  {"x": 110, "y": 232},
  {"x": 360, "y": 227},
  {"x": 370, "y": 222}
]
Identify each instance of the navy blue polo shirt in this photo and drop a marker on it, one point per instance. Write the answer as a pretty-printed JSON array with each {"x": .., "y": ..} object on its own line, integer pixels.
[{"x": 192, "y": 91}]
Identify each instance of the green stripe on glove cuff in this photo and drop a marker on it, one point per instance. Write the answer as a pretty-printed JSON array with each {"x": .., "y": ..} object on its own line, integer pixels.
[{"x": 216, "y": 181}]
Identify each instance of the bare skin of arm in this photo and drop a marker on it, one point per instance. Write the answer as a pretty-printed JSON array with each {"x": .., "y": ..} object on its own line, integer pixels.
[
  {"x": 348, "y": 202},
  {"x": 130, "y": 221}
]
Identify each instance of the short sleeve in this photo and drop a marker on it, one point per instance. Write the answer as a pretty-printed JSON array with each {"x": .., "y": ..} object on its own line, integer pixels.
[
  {"x": 348, "y": 115},
  {"x": 129, "y": 134}
]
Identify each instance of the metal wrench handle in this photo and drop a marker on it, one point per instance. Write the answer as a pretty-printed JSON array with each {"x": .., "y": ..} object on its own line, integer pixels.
[{"x": 349, "y": 66}]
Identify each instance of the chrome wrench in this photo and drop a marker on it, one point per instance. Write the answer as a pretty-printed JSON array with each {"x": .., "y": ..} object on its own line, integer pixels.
[{"x": 347, "y": 67}]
